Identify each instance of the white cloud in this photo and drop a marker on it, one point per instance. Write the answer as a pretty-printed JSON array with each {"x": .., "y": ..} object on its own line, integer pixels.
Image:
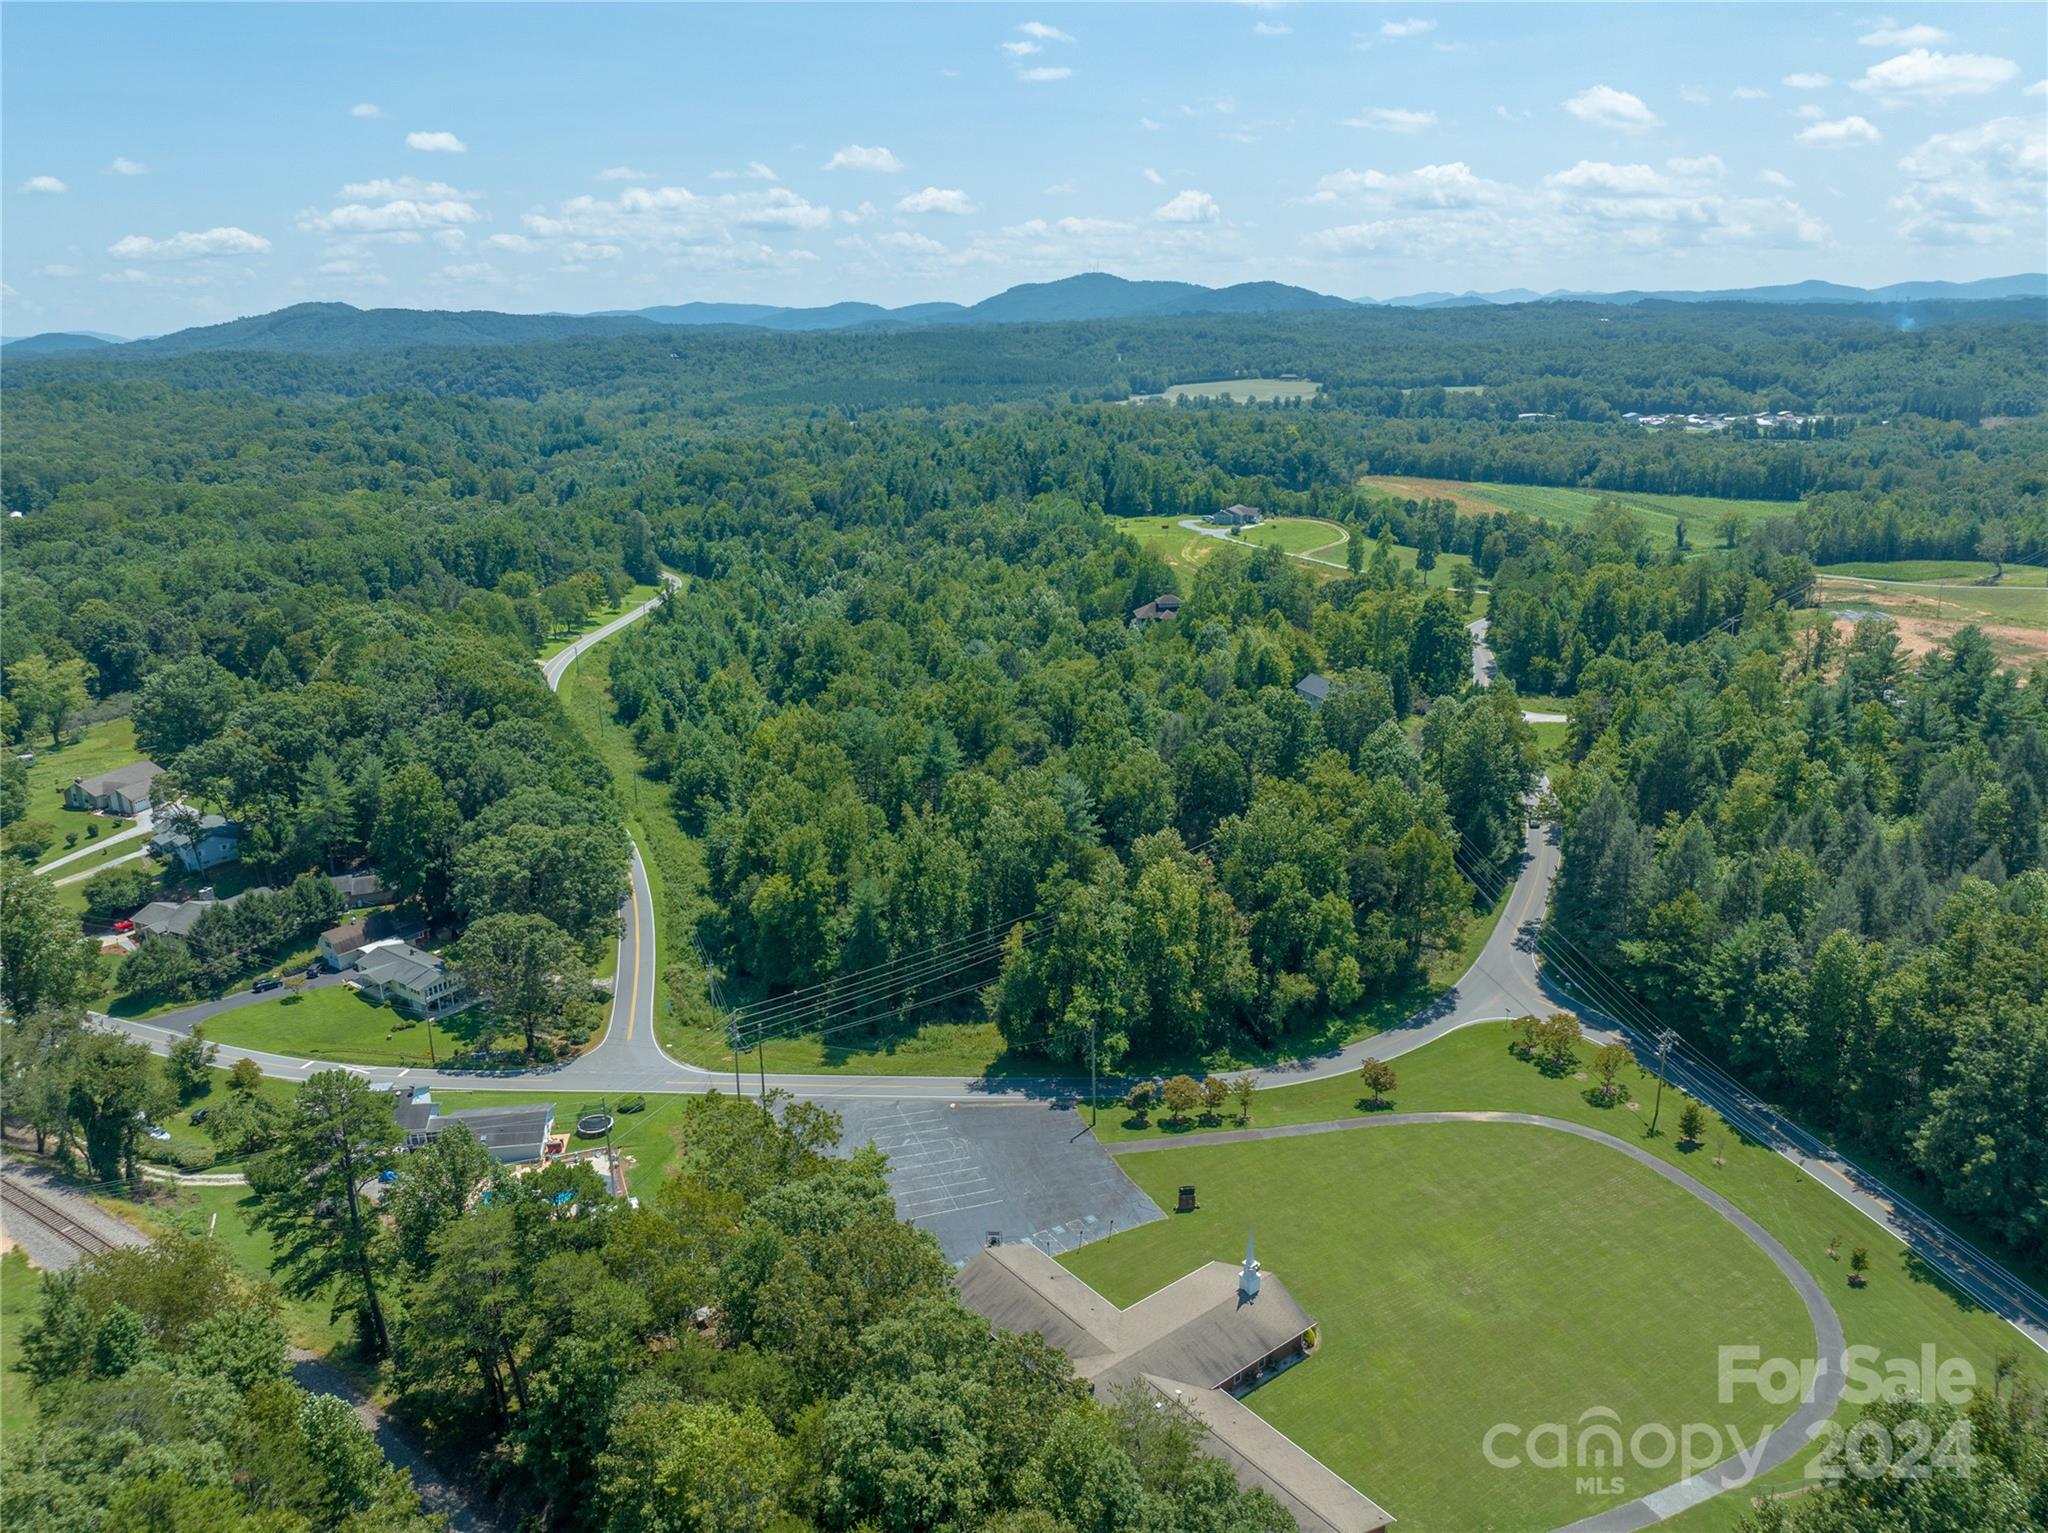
[
  {"x": 1692, "y": 95},
  {"x": 1748, "y": 93},
  {"x": 1150, "y": 125},
  {"x": 1889, "y": 34},
  {"x": 44, "y": 184},
  {"x": 1039, "y": 74},
  {"x": 692, "y": 229},
  {"x": 1408, "y": 28},
  {"x": 1776, "y": 178},
  {"x": 1063, "y": 189},
  {"x": 512, "y": 242},
  {"x": 583, "y": 250},
  {"x": 1605, "y": 107},
  {"x": 1021, "y": 48},
  {"x": 1188, "y": 207},
  {"x": 1811, "y": 111},
  {"x": 210, "y": 242},
  {"x": 1392, "y": 119},
  {"x": 436, "y": 143},
  {"x": 2038, "y": 88},
  {"x": 366, "y": 109},
  {"x": 121, "y": 165},
  {"x": 937, "y": 199},
  {"x": 1043, "y": 33},
  {"x": 451, "y": 239},
  {"x": 1153, "y": 176},
  {"x": 623, "y": 173},
  {"x": 58, "y": 269},
  {"x": 756, "y": 171},
  {"x": 1842, "y": 133},
  {"x": 1807, "y": 80},
  {"x": 474, "y": 271},
  {"x": 1975, "y": 186},
  {"x": 1921, "y": 75},
  {"x": 909, "y": 243},
  {"x": 1271, "y": 29},
  {"x": 861, "y": 157},
  {"x": 1444, "y": 212},
  {"x": 392, "y": 205}
]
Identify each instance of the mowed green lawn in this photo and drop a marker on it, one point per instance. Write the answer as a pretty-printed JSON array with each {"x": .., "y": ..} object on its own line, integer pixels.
[
  {"x": 1567, "y": 507},
  {"x": 18, "y": 1284},
  {"x": 1299, "y": 535},
  {"x": 340, "y": 1025},
  {"x": 1938, "y": 572},
  {"x": 94, "y": 749},
  {"x": 1245, "y": 390},
  {"x": 1463, "y": 1275},
  {"x": 1904, "y": 1307}
]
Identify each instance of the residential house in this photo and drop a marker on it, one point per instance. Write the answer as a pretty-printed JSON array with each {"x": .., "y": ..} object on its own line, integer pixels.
[
  {"x": 1236, "y": 516},
  {"x": 400, "y": 974},
  {"x": 340, "y": 946},
  {"x": 1316, "y": 688},
  {"x": 1157, "y": 610},
  {"x": 123, "y": 791},
  {"x": 176, "y": 918},
  {"x": 1196, "y": 1344},
  {"x": 513, "y": 1135},
  {"x": 207, "y": 843},
  {"x": 363, "y": 886}
]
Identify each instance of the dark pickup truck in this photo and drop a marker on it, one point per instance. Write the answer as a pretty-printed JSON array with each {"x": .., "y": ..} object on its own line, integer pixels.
[{"x": 268, "y": 982}]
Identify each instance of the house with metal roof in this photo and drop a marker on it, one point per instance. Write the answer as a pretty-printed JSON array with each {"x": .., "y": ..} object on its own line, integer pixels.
[
  {"x": 1315, "y": 687},
  {"x": 123, "y": 791},
  {"x": 1200, "y": 1343}
]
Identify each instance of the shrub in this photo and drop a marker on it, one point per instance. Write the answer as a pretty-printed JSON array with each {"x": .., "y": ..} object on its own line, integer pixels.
[
  {"x": 192, "y": 1157},
  {"x": 633, "y": 1104}
]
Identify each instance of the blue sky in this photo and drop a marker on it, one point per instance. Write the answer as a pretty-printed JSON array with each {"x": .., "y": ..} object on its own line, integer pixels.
[{"x": 169, "y": 165}]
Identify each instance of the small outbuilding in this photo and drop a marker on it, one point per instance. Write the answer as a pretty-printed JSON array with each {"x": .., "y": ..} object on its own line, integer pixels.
[{"x": 1316, "y": 688}]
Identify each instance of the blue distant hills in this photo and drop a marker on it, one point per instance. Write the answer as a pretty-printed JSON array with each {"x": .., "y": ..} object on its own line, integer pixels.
[{"x": 338, "y": 327}]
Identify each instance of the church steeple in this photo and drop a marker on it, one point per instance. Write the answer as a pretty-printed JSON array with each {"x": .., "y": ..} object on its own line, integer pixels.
[{"x": 1248, "y": 1276}]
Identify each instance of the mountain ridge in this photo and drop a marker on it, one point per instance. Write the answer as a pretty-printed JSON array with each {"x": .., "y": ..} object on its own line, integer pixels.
[{"x": 335, "y": 328}]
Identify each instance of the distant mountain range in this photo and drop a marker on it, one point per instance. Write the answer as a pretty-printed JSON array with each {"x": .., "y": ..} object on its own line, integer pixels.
[
  {"x": 2026, "y": 285},
  {"x": 338, "y": 327}
]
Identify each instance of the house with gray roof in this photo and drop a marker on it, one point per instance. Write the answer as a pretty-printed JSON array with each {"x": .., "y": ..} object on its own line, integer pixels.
[
  {"x": 123, "y": 791},
  {"x": 176, "y": 918},
  {"x": 360, "y": 887},
  {"x": 341, "y": 946},
  {"x": 1315, "y": 686},
  {"x": 1239, "y": 515},
  {"x": 400, "y": 974},
  {"x": 513, "y": 1135},
  {"x": 1200, "y": 1343},
  {"x": 207, "y": 842}
]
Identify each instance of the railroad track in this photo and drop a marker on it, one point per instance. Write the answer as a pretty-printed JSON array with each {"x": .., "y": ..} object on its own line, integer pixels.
[{"x": 37, "y": 1209}]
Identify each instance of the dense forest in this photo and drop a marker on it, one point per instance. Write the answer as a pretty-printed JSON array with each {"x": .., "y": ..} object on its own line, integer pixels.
[{"x": 904, "y": 712}]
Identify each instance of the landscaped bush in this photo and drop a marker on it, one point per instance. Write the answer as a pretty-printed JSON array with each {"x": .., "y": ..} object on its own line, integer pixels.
[
  {"x": 192, "y": 1157},
  {"x": 633, "y": 1104}
]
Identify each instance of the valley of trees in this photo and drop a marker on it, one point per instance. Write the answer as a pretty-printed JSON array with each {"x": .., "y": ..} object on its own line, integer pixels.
[{"x": 904, "y": 723}]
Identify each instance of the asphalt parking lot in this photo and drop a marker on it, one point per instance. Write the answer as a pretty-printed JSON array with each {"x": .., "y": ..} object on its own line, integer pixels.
[{"x": 1030, "y": 1171}]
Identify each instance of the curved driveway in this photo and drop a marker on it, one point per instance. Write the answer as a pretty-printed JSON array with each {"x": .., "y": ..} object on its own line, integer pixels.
[{"x": 1783, "y": 1442}]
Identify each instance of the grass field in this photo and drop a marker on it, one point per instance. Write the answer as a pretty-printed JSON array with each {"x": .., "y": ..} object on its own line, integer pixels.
[
  {"x": 598, "y": 619},
  {"x": 338, "y": 1024},
  {"x": 1947, "y": 573},
  {"x": 1184, "y": 549},
  {"x": 1701, "y": 514},
  {"x": 18, "y": 1284},
  {"x": 1304, "y": 535},
  {"x": 1930, "y": 599},
  {"x": 1429, "y": 1256},
  {"x": 1903, "y": 1307},
  {"x": 94, "y": 749},
  {"x": 1244, "y": 391}
]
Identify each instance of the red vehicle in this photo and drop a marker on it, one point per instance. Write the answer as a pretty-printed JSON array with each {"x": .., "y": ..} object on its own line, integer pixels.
[{"x": 124, "y": 925}]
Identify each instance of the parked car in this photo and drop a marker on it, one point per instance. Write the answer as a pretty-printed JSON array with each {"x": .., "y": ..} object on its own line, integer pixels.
[
  {"x": 124, "y": 925},
  {"x": 198, "y": 1116},
  {"x": 156, "y": 1132},
  {"x": 315, "y": 970},
  {"x": 268, "y": 982}
]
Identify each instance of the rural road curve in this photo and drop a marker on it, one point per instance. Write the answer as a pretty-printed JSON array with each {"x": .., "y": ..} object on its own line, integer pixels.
[
  {"x": 1507, "y": 980},
  {"x": 1784, "y": 1441}
]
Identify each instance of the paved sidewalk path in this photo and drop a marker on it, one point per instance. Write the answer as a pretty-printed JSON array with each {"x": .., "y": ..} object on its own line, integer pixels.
[{"x": 1783, "y": 1443}]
